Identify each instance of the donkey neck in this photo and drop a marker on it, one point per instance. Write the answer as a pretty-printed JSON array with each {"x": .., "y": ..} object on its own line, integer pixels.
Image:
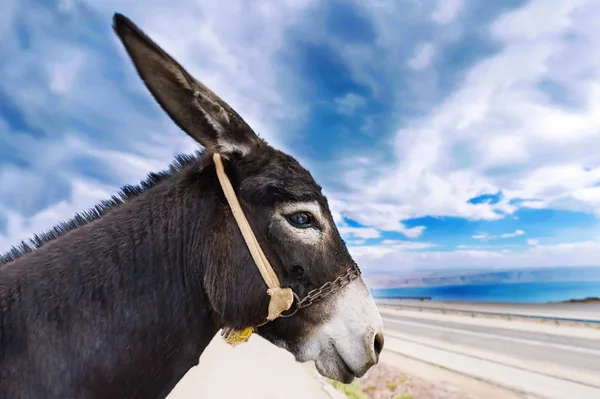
[{"x": 118, "y": 302}]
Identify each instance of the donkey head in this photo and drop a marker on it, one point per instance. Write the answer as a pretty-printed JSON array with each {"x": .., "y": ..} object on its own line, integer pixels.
[{"x": 290, "y": 216}]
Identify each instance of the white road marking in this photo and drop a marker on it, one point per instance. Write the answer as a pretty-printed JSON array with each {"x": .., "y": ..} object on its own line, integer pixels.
[
  {"x": 499, "y": 337},
  {"x": 503, "y": 375}
]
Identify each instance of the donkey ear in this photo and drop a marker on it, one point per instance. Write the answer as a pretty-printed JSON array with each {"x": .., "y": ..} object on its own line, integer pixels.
[{"x": 192, "y": 106}]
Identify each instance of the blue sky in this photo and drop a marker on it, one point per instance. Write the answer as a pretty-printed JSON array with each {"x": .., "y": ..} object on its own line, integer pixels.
[{"x": 446, "y": 134}]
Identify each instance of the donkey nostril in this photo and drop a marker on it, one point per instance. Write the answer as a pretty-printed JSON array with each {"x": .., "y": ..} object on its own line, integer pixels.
[{"x": 378, "y": 344}]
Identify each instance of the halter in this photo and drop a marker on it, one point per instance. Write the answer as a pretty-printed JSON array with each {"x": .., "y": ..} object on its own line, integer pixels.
[{"x": 281, "y": 299}]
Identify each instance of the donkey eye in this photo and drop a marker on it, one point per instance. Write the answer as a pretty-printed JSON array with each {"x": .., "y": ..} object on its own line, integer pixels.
[{"x": 301, "y": 220}]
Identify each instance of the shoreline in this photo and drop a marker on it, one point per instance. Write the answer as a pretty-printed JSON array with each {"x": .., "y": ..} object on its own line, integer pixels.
[
  {"x": 419, "y": 299},
  {"x": 570, "y": 304},
  {"x": 591, "y": 299},
  {"x": 572, "y": 313},
  {"x": 513, "y": 292}
]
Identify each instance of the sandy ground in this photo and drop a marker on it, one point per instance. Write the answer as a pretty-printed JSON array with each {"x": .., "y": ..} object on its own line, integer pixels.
[
  {"x": 397, "y": 375},
  {"x": 400, "y": 377},
  {"x": 256, "y": 369}
]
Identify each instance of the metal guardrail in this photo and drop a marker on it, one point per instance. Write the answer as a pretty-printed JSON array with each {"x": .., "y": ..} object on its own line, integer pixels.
[
  {"x": 419, "y": 298},
  {"x": 515, "y": 315}
]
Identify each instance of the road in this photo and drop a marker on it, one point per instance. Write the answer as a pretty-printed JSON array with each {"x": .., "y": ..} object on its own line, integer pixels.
[{"x": 541, "y": 360}]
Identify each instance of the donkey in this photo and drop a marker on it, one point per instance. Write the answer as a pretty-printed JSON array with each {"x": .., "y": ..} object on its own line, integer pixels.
[{"x": 121, "y": 301}]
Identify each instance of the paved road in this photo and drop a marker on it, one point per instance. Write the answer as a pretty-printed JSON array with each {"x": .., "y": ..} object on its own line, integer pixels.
[{"x": 547, "y": 361}]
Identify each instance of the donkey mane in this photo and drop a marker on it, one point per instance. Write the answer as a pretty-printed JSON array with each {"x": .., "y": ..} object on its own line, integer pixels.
[{"x": 126, "y": 193}]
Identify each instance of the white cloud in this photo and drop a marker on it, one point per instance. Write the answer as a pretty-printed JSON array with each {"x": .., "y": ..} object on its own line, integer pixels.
[
  {"x": 514, "y": 135},
  {"x": 350, "y": 103},
  {"x": 589, "y": 195},
  {"x": 64, "y": 73},
  {"x": 359, "y": 232},
  {"x": 474, "y": 247},
  {"x": 423, "y": 57},
  {"x": 66, "y": 5},
  {"x": 85, "y": 195},
  {"x": 447, "y": 10},
  {"x": 380, "y": 216},
  {"x": 532, "y": 241},
  {"x": 233, "y": 59},
  {"x": 506, "y": 149},
  {"x": 485, "y": 237},
  {"x": 386, "y": 248},
  {"x": 378, "y": 258},
  {"x": 356, "y": 242},
  {"x": 516, "y": 233},
  {"x": 516, "y": 138}
]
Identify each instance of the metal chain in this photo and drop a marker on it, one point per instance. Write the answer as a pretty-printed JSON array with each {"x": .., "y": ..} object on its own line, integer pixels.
[{"x": 325, "y": 290}]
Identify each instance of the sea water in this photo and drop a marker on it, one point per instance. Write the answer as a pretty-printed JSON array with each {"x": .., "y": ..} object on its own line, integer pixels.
[{"x": 532, "y": 292}]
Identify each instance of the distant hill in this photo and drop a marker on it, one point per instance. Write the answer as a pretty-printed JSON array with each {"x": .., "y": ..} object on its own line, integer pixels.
[{"x": 459, "y": 277}]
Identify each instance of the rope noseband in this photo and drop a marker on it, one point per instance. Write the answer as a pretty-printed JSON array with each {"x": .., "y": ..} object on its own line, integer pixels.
[{"x": 281, "y": 298}]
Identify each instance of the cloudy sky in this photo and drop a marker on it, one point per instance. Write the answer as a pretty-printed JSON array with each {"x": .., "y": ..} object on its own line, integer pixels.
[{"x": 447, "y": 134}]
